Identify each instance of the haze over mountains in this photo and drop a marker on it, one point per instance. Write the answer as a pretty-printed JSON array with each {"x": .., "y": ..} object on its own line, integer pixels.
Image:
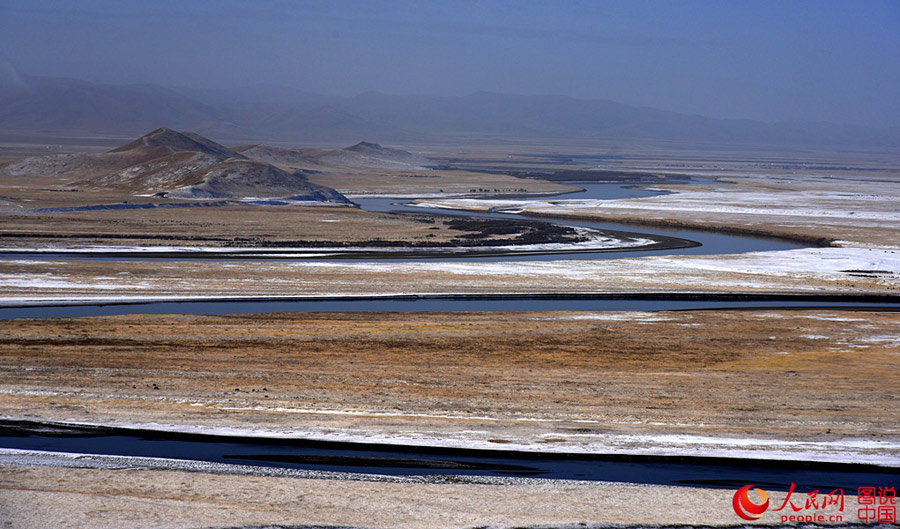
[{"x": 266, "y": 113}]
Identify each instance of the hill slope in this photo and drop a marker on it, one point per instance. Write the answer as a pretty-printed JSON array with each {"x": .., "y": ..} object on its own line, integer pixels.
[
  {"x": 372, "y": 155},
  {"x": 291, "y": 157},
  {"x": 178, "y": 164}
]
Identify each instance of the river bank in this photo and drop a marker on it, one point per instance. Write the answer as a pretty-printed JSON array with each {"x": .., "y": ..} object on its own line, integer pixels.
[{"x": 56, "y": 496}]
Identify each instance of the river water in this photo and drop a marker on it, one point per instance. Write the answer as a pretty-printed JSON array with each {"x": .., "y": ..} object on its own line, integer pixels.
[
  {"x": 411, "y": 460},
  {"x": 710, "y": 242},
  {"x": 475, "y": 303}
]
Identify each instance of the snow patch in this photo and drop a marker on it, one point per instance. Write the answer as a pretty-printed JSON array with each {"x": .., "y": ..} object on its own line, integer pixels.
[{"x": 849, "y": 450}]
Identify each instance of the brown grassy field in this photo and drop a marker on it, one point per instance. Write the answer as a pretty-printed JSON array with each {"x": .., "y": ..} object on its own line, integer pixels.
[
  {"x": 543, "y": 379},
  {"x": 237, "y": 225},
  {"x": 34, "y": 278},
  {"x": 566, "y": 381}
]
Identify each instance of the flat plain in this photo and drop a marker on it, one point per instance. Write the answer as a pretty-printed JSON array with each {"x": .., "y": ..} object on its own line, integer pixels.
[{"x": 810, "y": 384}]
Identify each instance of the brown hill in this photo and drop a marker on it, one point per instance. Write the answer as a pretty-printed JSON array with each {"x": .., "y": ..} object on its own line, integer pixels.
[
  {"x": 159, "y": 152},
  {"x": 249, "y": 179},
  {"x": 180, "y": 164},
  {"x": 290, "y": 157},
  {"x": 160, "y": 161},
  {"x": 172, "y": 141},
  {"x": 362, "y": 155},
  {"x": 372, "y": 155}
]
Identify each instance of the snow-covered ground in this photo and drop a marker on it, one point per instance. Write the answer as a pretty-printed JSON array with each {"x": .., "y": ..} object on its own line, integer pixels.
[
  {"x": 824, "y": 207},
  {"x": 808, "y": 204},
  {"x": 824, "y": 263},
  {"x": 594, "y": 240},
  {"x": 857, "y": 450},
  {"x": 858, "y": 266},
  {"x": 826, "y": 270}
]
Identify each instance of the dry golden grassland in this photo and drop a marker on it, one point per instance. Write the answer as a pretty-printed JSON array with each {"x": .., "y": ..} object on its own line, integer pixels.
[
  {"x": 566, "y": 381},
  {"x": 534, "y": 378},
  {"x": 35, "y": 278},
  {"x": 228, "y": 226}
]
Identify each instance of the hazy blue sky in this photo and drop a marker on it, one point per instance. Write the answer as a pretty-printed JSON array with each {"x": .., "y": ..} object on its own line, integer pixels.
[{"x": 769, "y": 60}]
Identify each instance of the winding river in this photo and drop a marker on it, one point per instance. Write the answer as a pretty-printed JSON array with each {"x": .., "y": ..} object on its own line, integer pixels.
[
  {"x": 695, "y": 242},
  {"x": 402, "y": 460},
  {"x": 710, "y": 243}
]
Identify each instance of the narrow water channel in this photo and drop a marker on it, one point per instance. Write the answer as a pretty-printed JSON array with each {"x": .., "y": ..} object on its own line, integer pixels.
[
  {"x": 709, "y": 242},
  {"x": 409, "y": 460},
  {"x": 474, "y": 303},
  {"x": 380, "y": 459}
]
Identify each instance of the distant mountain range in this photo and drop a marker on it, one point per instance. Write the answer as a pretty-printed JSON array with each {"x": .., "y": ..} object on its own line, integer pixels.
[{"x": 266, "y": 113}]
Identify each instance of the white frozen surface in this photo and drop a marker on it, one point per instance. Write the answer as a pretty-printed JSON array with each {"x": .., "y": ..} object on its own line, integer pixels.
[
  {"x": 830, "y": 263},
  {"x": 811, "y": 204},
  {"x": 799, "y": 270},
  {"x": 595, "y": 240},
  {"x": 827, "y": 206},
  {"x": 849, "y": 450},
  {"x": 48, "y": 283}
]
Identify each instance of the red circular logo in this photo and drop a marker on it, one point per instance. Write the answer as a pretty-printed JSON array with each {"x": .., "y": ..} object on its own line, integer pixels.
[{"x": 745, "y": 508}]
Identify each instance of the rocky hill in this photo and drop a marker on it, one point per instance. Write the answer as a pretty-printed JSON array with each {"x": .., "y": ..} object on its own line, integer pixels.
[
  {"x": 176, "y": 164},
  {"x": 362, "y": 155},
  {"x": 365, "y": 154},
  {"x": 291, "y": 157},
  {"x": 249, "y": 179}
]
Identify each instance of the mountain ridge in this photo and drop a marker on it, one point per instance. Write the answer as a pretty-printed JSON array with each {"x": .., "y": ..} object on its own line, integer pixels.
[{"x": 48, "y": 105}]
